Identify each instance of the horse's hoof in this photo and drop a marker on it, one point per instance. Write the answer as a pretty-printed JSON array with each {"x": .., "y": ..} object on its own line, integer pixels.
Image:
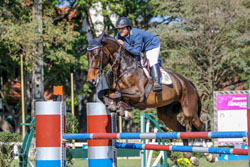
[
  {"x": 187, "y": 155},
  {"x": 210, "y": 157},
  {"x": 194, "y": 161}
]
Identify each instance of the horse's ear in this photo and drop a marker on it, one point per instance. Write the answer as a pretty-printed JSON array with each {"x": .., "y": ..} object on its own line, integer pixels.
[
  {"x": 89, "y": 37},
  {"x": 104, "y": 34},
  {"x": 99, "y": 39}
]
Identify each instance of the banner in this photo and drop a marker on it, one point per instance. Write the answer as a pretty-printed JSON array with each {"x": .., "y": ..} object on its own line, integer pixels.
[{"x": 231, "y": 114}]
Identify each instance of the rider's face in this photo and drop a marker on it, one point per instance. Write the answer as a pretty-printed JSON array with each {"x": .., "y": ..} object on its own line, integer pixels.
[{"x": 123, "y": 31}]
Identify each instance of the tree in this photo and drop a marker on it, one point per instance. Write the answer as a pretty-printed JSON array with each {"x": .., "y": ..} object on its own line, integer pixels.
[
  {"x": 140, "y": 12},
  {"x": 17, "y": 37},
  {"x": 210, "y": 40}
]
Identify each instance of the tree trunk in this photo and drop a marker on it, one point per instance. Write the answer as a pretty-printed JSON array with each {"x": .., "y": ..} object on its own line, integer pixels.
[
  {"x": 37, "y": 72},
  {"x": 27, "y": 94}
]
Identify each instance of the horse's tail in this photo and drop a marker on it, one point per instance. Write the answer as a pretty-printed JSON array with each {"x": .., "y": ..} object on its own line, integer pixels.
[
  {"x": 199, "y": 107},
  {"x": 199, "y": 103},
  {"x": 199, "y": 99}
]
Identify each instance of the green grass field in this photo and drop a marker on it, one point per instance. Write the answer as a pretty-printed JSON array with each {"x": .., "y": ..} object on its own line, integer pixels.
[{"x": 137, "y": 162}]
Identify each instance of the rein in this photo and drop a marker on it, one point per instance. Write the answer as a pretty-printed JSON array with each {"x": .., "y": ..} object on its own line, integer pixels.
[
  {"x": 116, "y": 59},
  {"x": 127, "y": 70}
]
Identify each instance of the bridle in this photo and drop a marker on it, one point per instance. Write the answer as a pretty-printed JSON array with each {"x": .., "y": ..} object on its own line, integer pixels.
[
  {"x": 100, "y": 64},
  {"x": 100, "y": 67}
]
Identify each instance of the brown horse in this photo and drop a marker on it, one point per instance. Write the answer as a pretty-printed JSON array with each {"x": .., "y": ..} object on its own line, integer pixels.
[{"x": 127, "y": 82}]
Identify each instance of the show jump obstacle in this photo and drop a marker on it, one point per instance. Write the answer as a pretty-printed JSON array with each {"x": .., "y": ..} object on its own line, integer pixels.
[
  {"x": 50, "y": 121},
  {"x": 50, "y": 128}
]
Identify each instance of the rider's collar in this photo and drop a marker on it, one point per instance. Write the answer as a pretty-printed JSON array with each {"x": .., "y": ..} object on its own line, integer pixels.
[{"x": 130, "y": 32}]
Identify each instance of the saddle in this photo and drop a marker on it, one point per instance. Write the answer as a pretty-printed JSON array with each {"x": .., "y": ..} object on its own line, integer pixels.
[{"x": 165, "y": 78}]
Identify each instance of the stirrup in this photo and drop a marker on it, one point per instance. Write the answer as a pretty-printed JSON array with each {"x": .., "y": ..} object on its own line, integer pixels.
[{"x": 157, "y": 87}]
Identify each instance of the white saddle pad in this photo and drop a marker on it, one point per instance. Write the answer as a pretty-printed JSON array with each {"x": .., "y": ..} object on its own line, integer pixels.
[{"x": 165, "y": 78}]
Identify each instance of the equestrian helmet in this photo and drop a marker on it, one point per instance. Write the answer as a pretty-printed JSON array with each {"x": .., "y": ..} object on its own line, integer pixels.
[{"x": 122, "y": 22}]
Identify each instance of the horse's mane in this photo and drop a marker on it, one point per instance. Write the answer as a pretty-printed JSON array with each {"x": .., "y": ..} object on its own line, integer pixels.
[{"x": 106, "y": 36}]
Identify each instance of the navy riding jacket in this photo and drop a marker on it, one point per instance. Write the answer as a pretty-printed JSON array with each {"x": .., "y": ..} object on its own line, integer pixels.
[{"x": 139, "y": 41}]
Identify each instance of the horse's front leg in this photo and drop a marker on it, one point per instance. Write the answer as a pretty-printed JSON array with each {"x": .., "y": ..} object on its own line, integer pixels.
[
  {"x": 113, "y": 101},
  {"x": 133, "y": 94},
  {"x": 119, "y": 100},
  {"x": 107, "y": 97}
]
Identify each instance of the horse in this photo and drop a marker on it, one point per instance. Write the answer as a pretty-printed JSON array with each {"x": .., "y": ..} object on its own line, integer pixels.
[{"x": 127, "y": 83}]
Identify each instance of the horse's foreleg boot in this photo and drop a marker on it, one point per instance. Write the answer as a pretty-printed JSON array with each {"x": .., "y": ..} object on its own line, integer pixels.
[
  {"x": 109, "y": 104},
  {"x": 124, "y": 105},
  {"x": 117, "y": 95},
  {"x": 111, "y": 108}
]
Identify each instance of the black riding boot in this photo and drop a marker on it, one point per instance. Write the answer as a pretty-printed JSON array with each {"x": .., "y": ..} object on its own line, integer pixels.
[{"x": 156, "y": 74}]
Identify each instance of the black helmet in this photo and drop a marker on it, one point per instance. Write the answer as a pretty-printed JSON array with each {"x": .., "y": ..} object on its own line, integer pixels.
[{"x": 122, "y": 22}]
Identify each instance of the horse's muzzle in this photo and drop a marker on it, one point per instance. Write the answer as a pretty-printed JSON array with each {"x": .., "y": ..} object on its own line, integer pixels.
[{"x": 93, "y": 82}]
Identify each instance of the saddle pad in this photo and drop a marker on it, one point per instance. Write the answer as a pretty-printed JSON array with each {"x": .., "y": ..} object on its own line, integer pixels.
[{"x": 165, "y": 78}]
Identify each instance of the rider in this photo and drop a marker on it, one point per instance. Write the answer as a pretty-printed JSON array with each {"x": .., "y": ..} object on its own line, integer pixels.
[{"x": 135, "y": 41}]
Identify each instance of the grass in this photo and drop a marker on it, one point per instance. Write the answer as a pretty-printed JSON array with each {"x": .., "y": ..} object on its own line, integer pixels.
[{"x": 137, "y": 163}]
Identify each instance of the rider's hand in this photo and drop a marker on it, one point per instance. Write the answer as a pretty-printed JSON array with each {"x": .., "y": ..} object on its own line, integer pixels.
[{"x": 120, "y": 42}]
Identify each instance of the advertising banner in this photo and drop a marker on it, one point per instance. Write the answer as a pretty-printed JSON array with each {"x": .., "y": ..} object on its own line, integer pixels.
[{"x": 230, "y": 113}]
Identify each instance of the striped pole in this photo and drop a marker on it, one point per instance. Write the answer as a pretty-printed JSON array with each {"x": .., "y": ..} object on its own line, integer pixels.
[
  {"x": 212, "y": 150},
  {"x": 248, "y": 126},
  {"x": 50, "y": 116},
  {"x": 100, "y": 152},
  {"x": 143, "y": 130},
  {"x": 159, "y": 135}
]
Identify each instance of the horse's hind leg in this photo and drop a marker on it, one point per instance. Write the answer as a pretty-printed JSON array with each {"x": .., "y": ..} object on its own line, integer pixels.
[
  {"x": 169, "y": 116},
  {"x": 190, "y": 111}
]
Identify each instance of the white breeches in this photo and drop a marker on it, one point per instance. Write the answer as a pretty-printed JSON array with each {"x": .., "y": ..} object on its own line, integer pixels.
[{"x": 153, "y": 56}]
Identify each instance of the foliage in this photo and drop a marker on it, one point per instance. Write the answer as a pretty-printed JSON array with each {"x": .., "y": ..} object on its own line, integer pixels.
[
  {"x": 68, "y": 102},
  {"x": 210, "y": 41},
  {"x": 71, "y": 123},
  {"x": 140, "y": 12},
  {"x": 6, "y": 148},
  {"x": 71, "y": 127},
  {"x": 136, "y": 117},
  {"x": 17, "y": 37},
  {"x": 183, "y": 162},
  {"x": 11, "y": 13},
  {"x": 179, "y": 159},
  {"x": 69, "y": 158},
  {"x": 10, "y": 137},
  {"x": 6, "y": 154}
]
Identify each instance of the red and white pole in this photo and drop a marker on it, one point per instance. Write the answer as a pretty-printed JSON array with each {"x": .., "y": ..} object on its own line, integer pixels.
[
  {"x": 50, "y": 120},
  {"x": 100, "y": 152}
]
